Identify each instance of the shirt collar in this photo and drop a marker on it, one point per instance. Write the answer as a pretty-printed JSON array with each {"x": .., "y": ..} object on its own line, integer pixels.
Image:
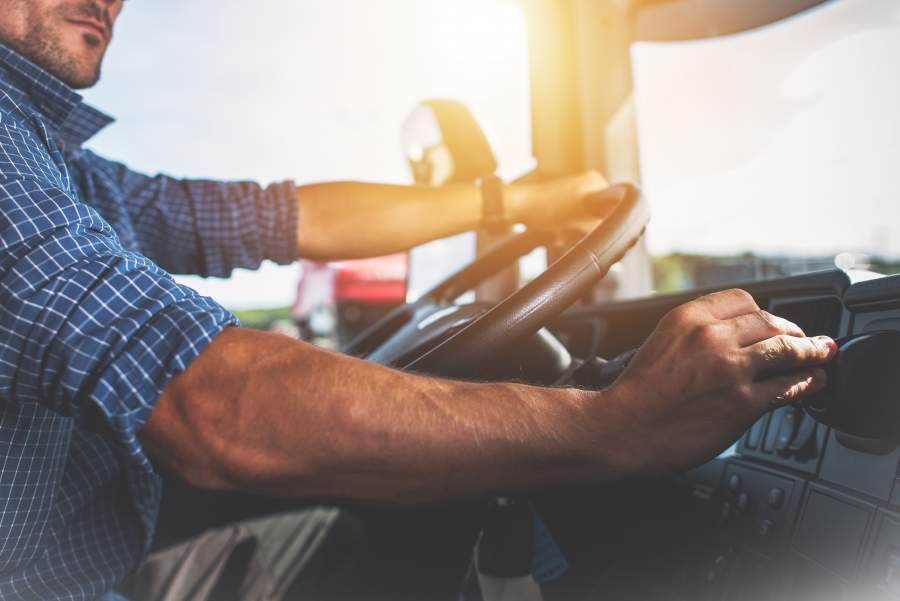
[{"x": 75, "y": 121}]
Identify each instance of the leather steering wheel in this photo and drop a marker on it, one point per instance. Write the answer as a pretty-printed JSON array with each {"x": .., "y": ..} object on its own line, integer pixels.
[{"x": 457, "y": 341}]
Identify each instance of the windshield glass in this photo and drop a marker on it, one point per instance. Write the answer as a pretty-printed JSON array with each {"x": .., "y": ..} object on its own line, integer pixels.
[{"x": 776, "y": 150}]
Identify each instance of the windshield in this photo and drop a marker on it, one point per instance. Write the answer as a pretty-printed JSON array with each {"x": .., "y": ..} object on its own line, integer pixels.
[{"x": 776, "y": 150}]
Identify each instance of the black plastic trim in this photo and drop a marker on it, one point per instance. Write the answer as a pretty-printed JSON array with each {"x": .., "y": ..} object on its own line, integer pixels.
[{"x": 886, "y": 289}]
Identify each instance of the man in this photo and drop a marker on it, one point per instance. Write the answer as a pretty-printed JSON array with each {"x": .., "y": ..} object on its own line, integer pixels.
[{"x": 107, "y": 366}]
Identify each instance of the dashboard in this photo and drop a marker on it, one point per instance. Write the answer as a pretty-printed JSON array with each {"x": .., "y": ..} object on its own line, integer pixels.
[
  {"x": 799, "y": 510},
  {"x": 823, "y": 505},
  {"x": 794, "y": 511}
]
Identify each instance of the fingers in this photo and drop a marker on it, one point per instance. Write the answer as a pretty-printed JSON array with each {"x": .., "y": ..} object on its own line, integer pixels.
[
  {"x": 787, "y": 389},
  {"x": 785, "y": 353},
  {"x": 728, "y": 304},
  {"x": 601, "y": 203},
  {"x": 760, "y": 325}
]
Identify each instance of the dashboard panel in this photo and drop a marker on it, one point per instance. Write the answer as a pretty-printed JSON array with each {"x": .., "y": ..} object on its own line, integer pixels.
[
  {"x": 796, "y": 511},
  {"x": 802, "y": 511}
]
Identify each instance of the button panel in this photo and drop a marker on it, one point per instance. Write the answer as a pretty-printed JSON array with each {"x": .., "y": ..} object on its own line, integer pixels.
[
  {"x": 756, "y": 506},
  {"x": 786, "y": 436}
]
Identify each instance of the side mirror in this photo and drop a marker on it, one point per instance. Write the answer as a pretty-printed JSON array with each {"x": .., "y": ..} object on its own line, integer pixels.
[{"x": 444, "y": 144}]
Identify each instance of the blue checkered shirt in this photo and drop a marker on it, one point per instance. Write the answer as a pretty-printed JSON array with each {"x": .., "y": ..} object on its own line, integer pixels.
[{"x": 92, "y": 327}]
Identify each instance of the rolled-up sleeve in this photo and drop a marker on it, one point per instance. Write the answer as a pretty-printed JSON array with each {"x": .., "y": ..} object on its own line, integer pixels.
[
  {"x": 87, "y": 328},
  {"x": 195, "y": 226}
]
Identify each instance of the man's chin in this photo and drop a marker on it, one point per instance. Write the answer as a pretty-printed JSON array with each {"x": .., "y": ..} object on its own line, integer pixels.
[
  {"x": 81, "y": 69},
  {"x": 82, "y": 83},
  {"x": 76, "y": 78},
  {"x": 77, "y": 72},
  {"x": 70, "y": 60}
]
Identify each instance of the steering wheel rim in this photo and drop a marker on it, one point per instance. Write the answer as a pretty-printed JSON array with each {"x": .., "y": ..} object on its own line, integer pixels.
[
  {"x": 444, "y": 293},
  {"x": 537, "y": 303}
]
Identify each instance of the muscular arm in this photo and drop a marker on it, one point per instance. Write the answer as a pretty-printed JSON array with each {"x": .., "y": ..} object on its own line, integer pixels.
[{"x": 263, "y": 412}]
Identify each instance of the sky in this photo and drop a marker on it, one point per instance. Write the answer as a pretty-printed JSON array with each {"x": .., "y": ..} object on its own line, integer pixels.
[
  {"x": 305, "y": 90},
  {"x": 784, "y": 139}
]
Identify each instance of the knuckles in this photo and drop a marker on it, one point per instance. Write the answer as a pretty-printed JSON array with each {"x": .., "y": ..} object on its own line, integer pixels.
[
  {"x": 741, "y": 296},
  {"x": 768, "y": 321},
  {"x": 736, "y": 297},
  {"x": 714, "y": 346},
  {"x": 731, "y": 368},
  {"x": 779, "y": 348},
  {"x": 739, "y": 367},
  {"x": 744, "y": 393},
  {"x": 707, "y": 337},
  {"x": 700, "y": 308},
  {"x": 683, "y": 316},
  {"x": 798, "y": 349}
]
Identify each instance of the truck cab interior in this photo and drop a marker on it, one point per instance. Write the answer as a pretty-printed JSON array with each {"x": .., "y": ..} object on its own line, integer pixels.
[{"x": 761, "y": 139}]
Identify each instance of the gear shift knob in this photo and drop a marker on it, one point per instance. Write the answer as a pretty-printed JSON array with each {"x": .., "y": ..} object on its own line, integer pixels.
[{"x": 862, "y": 397}]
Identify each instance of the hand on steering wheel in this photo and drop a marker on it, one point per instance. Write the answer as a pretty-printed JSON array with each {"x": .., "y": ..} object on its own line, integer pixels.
[{"x": 456, "y": 342}]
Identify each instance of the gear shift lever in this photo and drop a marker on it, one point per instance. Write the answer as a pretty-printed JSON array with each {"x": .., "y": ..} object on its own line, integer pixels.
[{"x": 862, "y": 397}]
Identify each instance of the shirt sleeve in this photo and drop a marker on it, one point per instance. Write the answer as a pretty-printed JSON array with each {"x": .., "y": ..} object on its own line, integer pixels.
[
  {"x": 196, "y": 226},
  {"x": 88, "y": 329}
]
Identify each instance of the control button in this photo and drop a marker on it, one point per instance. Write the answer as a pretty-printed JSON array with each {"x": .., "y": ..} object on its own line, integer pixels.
[
  {"x": 806, "y": 433},
  {"x": 766, "y": 528},
  {"x": 734, "y": 483},
  {"x": 787, "y": 429},
  {"x": 725, "y": 513},
  {"x": 768, "y": 445},
  {"x": 743, "y": 502},
  {"x": 755, "y": 435},
  {"x": 776, "y": 498}
]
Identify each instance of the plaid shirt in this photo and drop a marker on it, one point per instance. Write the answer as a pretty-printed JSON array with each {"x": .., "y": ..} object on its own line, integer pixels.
[{"x": 92, "y": 327}]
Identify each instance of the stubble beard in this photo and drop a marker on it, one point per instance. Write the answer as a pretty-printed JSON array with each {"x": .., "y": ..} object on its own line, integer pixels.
[{"x": 42, "y": 45}]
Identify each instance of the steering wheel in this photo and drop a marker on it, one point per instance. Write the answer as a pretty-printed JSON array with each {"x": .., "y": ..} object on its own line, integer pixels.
[{"x": 434, "y": 336}]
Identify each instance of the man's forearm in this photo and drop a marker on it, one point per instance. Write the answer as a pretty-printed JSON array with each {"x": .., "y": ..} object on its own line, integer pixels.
[
  {"x": 347, "y": 220},
  {"x": 265, "y": 413}
]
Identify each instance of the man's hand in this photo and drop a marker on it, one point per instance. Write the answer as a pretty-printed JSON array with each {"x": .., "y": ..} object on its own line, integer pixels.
[
  {"x": 558, "y": 202},
  {"x": 711, "y": 368}
]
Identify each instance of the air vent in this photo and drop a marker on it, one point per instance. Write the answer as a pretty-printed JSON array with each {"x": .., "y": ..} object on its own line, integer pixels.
[{"x": 815, "y": 317}]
